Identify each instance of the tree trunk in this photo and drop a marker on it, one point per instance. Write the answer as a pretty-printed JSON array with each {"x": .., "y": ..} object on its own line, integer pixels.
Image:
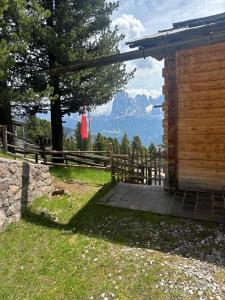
[
  {"x": 6, "y": 115},
  {"x": 56, "y": 121},
  {"x": 56, "y": 111}
]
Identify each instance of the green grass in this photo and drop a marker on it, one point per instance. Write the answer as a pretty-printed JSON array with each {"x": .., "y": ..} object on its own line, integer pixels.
[
  {"x": 6, "y": 155},
  {"x": 70, "y": 247},
  {"x": 85, "y": 175}
]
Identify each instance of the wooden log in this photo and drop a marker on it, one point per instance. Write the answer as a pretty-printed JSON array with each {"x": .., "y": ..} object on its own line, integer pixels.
[
  {"x": 201, "y": 104},
  {"x": 75, "y": 166},
  {"x": 201, "y": 86},
  {"x": 201, "y": 76},
  {"x": 4, "y": 138},
  {"x": 195, "y": 122},
  {"x": 158, "y": 52},
  {"x": 196, "y": 113},
  {"x": 201, "y": 139},
  {"x": 203, "y": 49}
]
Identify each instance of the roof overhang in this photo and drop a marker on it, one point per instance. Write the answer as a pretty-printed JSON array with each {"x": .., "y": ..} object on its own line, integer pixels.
[{"x": 184, "y": 35}]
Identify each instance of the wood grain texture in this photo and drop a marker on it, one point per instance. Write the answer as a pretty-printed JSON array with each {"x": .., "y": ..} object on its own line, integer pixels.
[{"x": 201, "y": 118}]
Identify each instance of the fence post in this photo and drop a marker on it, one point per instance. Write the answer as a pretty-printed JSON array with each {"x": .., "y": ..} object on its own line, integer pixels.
[
  {"x": 44, "y": 155},
  {"x": 4, "y": 138},
  {"x": 36, "y": 158}
]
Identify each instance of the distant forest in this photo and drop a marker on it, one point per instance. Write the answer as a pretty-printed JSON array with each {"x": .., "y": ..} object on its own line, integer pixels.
[{"x": 36, "y": 128}]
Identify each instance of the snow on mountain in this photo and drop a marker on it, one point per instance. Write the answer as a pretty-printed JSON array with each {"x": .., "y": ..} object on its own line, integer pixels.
[{"x": 140, "y": 105}]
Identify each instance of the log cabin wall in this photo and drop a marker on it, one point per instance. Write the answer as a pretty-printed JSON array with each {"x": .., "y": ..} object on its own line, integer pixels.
[
  {"x": 170, "y": 122},
  {"x": 200, "y": 87}
]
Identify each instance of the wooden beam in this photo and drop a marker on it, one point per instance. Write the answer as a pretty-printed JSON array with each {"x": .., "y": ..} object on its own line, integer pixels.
[
  {"x": 171, "y": 116},
  {"x": 158, "y": 52},
  {"x": 173, "y": 35}
]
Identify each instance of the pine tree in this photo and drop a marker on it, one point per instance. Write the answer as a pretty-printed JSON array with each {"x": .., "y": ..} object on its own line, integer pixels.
[
  {"x": 152, "y": 148},
  {"x": 100, "y": 143},
  {"x": 125, "y": 145},
  {"x": 76, "y": 31},
  {"x": 17, "y": 17},
  {"x": 69, "y": 143},
  {"x": 36, "y": 127},
  {"x": 116, "y": 146},
  {"x": 82, "y": 145},
  {"x": 136, "y": 144}
]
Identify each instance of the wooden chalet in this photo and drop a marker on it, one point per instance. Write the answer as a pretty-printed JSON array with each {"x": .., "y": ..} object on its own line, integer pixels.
[{"x": 194, "y": 89}]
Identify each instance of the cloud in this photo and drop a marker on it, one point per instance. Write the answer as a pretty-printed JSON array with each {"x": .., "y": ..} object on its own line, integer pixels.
[
  {"x": 104, "y": 109},
  {"x": 144, "y": 63},
  {"x": 148, "y": 93},
  {"x": 149, "y": 78},
  {"x": 130, "y": 26},
  {"x": 149, "y": 109}
]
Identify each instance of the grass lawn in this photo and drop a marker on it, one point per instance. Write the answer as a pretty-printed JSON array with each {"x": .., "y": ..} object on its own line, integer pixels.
[
  {"x": 6, "y": 155},
  {"x": 69, "y": 247},
  {"x": 84, "y": 175}
]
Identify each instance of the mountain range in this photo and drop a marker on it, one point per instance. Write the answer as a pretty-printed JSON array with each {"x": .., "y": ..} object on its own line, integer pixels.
[{"x": 133, "y": 115}]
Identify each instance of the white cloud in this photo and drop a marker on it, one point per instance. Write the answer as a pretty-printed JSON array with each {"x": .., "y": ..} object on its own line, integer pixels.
[
  {"x": 149, "y": 78},
  {"x": 149, "y": 109},
  {"x": 129, "y": 25},
  {"x": 104, "y": 109},
  {"x": 148, "y": 93}
]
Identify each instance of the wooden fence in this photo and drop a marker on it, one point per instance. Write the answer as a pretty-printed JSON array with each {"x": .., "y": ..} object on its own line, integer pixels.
[
  {"x": 139, "y": 167},
  {"x": 45, "y": 155}
]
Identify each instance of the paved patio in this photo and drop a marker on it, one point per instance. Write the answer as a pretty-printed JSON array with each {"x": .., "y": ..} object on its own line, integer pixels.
[{"x": 196, "y": 205}]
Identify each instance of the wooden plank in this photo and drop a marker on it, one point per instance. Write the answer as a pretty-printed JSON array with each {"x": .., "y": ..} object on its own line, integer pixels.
[
  {"x": 208, "y": 130},
  {"x": 201, "y": 76},
  {"x": 201, "y": 86},
  {"x": 195, "y": 122},
  {"x": 72, "y": 165},
  {"x": 201, "y": 95},
  {"x": 200, "y": 173},
  {"x": 203, "y": 67},
  {"x": 191, "y": 155},
  {"x": 201, "y": 139},
  {"x": 203, "y": 49},
  {"x": 160, "y": 166},
  {"x": 203, "y": 148},
  {"x": 212, "y": 56},
  {"x": 201, "y": 104},
  {"x": 198, "y": 113},
  {"x": 202, "y": 164}
]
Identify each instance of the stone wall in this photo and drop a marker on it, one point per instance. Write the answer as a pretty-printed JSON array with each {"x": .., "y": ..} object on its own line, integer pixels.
[{"x": 20, "y": 183}]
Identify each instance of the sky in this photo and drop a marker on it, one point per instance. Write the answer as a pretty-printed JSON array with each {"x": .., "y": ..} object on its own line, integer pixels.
[{"x": 138, "y": 18}]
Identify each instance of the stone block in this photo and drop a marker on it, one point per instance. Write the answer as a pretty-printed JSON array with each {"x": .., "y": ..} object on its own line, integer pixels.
[{"x": 20, "y": 184}]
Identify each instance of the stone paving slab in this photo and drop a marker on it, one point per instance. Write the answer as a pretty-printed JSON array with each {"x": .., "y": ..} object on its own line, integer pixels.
[{"x": 195, "y": 205}]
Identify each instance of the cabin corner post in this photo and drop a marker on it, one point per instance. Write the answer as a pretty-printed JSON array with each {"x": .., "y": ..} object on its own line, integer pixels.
[{"x": 170, "y": 122}]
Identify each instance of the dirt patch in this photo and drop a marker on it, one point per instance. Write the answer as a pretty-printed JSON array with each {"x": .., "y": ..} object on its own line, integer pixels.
[{"x": 73, "y": 187}]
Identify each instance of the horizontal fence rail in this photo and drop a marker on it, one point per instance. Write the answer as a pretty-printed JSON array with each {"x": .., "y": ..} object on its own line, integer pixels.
[{"x": 23, "y": 148}]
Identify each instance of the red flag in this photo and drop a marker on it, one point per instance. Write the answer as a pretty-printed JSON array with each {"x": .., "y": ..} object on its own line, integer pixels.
[{"x": 83, "y": 128}]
